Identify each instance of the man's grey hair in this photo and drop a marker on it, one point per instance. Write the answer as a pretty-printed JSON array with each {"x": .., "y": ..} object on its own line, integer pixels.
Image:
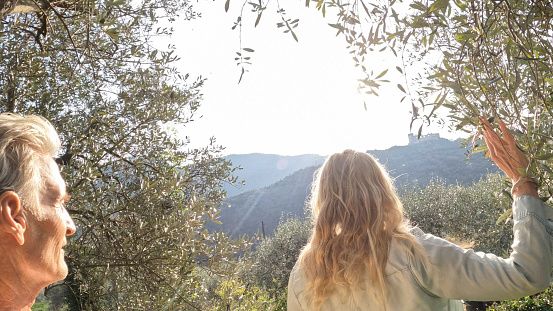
[{"x": 24, "y": 142}]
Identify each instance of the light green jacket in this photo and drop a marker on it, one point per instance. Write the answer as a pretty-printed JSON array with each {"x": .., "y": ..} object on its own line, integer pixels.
[{"x": 455, "y": 273}]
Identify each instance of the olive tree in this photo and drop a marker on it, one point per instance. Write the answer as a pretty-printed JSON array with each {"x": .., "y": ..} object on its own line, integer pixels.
[
  {"x": 140, "y": 194},
  {"x": 456, "y": 60},
  {"x": 276, "y": 255},
  {"x": 478, "y": 58}
]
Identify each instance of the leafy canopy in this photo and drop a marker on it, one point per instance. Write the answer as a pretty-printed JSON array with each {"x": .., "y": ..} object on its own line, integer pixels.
[
  {"x": 140, "y": 195},
  {"x": 461, "y": 59}
]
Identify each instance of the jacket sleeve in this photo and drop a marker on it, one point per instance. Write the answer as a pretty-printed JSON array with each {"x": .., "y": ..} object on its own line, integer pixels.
[{"x": 455, "y": 273}]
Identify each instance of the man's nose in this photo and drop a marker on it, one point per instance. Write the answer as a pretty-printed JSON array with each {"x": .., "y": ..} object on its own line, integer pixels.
[{"x": 69, "y": 224}]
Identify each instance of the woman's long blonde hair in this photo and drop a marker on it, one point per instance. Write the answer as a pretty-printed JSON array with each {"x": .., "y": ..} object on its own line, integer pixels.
[{"x": 357, "y": 214}]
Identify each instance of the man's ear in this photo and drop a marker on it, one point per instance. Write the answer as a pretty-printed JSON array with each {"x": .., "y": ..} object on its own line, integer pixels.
[{"x": 12, "y": 220}]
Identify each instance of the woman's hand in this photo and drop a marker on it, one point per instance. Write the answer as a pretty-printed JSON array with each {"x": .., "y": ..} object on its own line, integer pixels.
[{"x": 508, "y": 157}]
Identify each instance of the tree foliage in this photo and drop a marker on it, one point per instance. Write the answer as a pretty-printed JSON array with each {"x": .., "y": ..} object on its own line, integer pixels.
[
  {"x": 236, "y": 293},
  {"x": 260, "y": 281},
  {"x": 140, "y": 196},
  {"x": 276, "y": 255},
  {"x": 459, "y": 59},
  {"x": 473, "y": 58},
  {"x": 538, "y": 302}
]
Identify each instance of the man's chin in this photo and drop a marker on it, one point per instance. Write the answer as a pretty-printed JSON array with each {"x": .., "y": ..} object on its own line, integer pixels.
[
  {"x": 62, "y": 271},
  {"x": 56, "y": 275},
  {"x": 62, "y": 274}
]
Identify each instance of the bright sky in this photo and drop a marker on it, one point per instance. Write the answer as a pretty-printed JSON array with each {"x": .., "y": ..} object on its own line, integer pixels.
[{"x": 297, "y": 98}]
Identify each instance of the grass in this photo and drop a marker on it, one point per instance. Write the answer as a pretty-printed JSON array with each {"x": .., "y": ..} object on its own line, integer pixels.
[{"x": 41, "y": 306}]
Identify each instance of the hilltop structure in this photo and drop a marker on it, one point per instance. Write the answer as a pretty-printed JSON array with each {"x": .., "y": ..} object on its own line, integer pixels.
[{"x": 413, "y": 138}]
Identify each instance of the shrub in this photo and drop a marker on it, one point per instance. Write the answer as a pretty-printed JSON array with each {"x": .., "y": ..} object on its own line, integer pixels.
[
  {"x": 275, "y": 256},
  {"x": 466, "y": 213},
  {"x": 539, "y": 302},
  {"x": 232, "y": 292}
]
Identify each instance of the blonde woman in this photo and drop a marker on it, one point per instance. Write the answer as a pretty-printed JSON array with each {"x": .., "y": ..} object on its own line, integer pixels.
[{"x": 361, "y": 256}]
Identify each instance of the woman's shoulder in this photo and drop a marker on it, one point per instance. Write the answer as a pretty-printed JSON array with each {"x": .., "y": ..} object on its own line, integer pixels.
[
  {"x": 416, "y": 231},
  {"x": 296, "y": 282},
  {"x": 399, "y": 257}
]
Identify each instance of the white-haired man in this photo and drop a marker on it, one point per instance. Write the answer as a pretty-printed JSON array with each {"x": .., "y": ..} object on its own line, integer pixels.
[{"x": 33, "y": 220}]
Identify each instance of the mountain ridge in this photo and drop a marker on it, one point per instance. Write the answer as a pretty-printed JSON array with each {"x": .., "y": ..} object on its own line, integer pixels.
[
  {"x": 260, "y": 169},
  {"x": 415, "y": 163}
]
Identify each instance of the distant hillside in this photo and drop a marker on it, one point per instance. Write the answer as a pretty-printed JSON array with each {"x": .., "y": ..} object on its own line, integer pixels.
[
  {"x": 243, "y": 213},
  {"x": 260, "y": 170},
  {"x": 440, "y": 158}
]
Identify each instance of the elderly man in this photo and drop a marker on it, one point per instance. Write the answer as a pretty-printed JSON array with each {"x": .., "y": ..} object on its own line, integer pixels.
[{"x": 33, "y": 220}]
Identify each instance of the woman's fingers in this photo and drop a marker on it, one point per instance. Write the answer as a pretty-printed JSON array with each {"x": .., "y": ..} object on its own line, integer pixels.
[
  {"x": 485, "y": 122},
  {"x": 491, "y": 137},
  {"x": 508, "y": 136},
  {"x": 501, "y": 149},
  {"x": 506, "y": 143},
  {"x": 491, "y": 145}
]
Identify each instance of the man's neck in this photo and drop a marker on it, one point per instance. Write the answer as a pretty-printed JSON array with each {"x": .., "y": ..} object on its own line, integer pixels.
[
  {"x": 19, "y": 286},
  {"x": 16, "y": 295},
  {"x": 14, "y": 304}
]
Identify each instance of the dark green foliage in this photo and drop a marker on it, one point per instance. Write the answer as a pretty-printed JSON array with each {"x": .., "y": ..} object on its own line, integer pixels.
[
  {"x": 235, "y": 292},
  {"x": 259, "y": 282},
  {"x": 538, "y": 302},
  {"x": 40, "y": 306}
]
